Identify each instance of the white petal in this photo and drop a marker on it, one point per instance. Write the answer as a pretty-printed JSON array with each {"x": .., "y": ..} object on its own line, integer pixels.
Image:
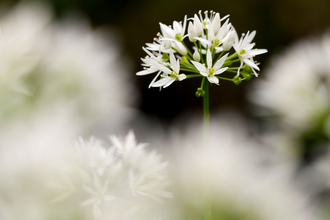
[
  {"x": 202, "y": 40},
  {"x": 213, "y": 79},
  {"x": 177, "y": 27},
  {"x": 220, "y": 71},
  {"x": 180, "y": 48},
  {"x": 146, "y": 72},
  {"x": 184, "y": 25},
  {"x": 172, "y": 60},
  {"x": 216, "y": 23},
  {"x": 162, "y": 82},
  {"x": 167, "y": 31},
  {"x": 223, "y": 18},
  {"x": 154, "y": 79},
  {"x": 198, "y": 25},
  {"x": 209, "y": 58},
  {"x": 220, "y": 62},
  {"x": 199, "y": 66},
  {"x": 257, "y": 52},
  {"x": 182, "y": 77},
  {"x": 169, "y": 83},
  {"x": 191, "y": 32},
  {"x": 251, "y": 64}
]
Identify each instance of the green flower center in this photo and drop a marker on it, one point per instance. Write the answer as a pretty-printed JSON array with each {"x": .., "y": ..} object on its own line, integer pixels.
[
  {"x": 174, "y": 75},
  {"x": 211, "y": 71},
  {"x": 178, "y": 36},
  {"x": 215, "y": 42},
  {"x": 242, "y": 52}
]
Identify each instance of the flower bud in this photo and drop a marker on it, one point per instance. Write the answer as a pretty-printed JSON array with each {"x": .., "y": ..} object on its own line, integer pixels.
[
  {"x": 237, "y": 80},
  {"x": 229, "y": 42},
  {"x": 192, "y": 32},
  {"x": 184, "y": 60},
  {"x": 196, "y": 56},
  {"x": 216, "y": 23},
  {"x": 200, "y": 93},
  {"x": 198, "y": 26},
  {"x": 166, "y": 31},
  {"x": 180, "y": 48}
]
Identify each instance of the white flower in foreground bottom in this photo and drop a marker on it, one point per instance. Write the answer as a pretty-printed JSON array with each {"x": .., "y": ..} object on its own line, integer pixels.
[
  {"x": 98, "y": 194},
  {"x": 124, "y": 174},
  {"x": 170, "y": 75},
  {"x": 211, "y": 71}
]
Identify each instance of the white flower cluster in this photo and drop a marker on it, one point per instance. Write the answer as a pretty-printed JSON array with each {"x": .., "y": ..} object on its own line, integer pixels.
[
  {"x": 63, "y": 65},
  {"x": 170, "y": 56},
  {"x": 110, "y": 179},
  {"x": 296, "y": 87},
  {"x": 228, "y": 177}
]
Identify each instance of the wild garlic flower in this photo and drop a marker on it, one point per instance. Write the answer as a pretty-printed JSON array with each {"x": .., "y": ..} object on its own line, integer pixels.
[
  {"x": 243, "y": 48},
  {"x": 225, "y": 178},
  {"x": 104, "y": 177},
  {"x": 211, "y": 39},
  {"x": 296, "y": 87},
  {"x": 296, "y": 91},
  {"x": 66, "y": 65}
]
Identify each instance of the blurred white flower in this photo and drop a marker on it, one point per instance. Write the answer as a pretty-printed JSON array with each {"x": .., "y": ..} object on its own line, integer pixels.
[
  {"x": 229, "y": 176},
  {"x": 66, "y": 178},
  {"x": 294, "y": 96},
  {"x": 65, "y": 64},
  {"x": 129, "y": 173},
  {"x": 296, "y": 84}
]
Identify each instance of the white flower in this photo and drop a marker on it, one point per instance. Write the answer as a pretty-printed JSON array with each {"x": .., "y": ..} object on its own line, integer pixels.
[
  {"x": 127, "y": 174},
  {"x": 171, "y": 75},
  {"x": 151, "y": 65},
  {"x": 206, "y": 34},
  {"x": 98, "y": 192},
  {"x": 163, "y": 46},
  {"x": 211, "y": 70},
  {"x": 215, "y": 39},
  {"x": 225, "y": 173},
  {"x": 177, "y": 33},
  {"x": 128, "y": 148},
  {"x": 243, "y": 48},
  {"x": 64, "y": 65}
]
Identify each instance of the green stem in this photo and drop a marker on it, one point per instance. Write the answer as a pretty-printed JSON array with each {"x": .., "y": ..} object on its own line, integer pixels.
[
  {"x": 193, "y": 76},
  {"x": 206, "y": 113},
  {"x": 189, "y": 70},
  {"x": 231, "y": 71},
  {"x": 219, "y": 77}
]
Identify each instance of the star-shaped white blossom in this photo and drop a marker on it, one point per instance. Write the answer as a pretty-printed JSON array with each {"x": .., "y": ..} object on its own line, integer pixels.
[
  {"x": 170, "y": 74},
  {"x": 211, "y": 70},
  {"x": 243, "y": 48}
]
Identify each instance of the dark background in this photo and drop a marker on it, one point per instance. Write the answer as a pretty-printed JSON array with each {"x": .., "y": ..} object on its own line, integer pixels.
[{"x": 278, "y": 24}]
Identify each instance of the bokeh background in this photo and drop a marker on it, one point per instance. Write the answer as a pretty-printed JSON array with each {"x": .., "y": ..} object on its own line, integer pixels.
[
  {"x": 278, "y": 24},
  {"x": 269, "y": 136}
]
